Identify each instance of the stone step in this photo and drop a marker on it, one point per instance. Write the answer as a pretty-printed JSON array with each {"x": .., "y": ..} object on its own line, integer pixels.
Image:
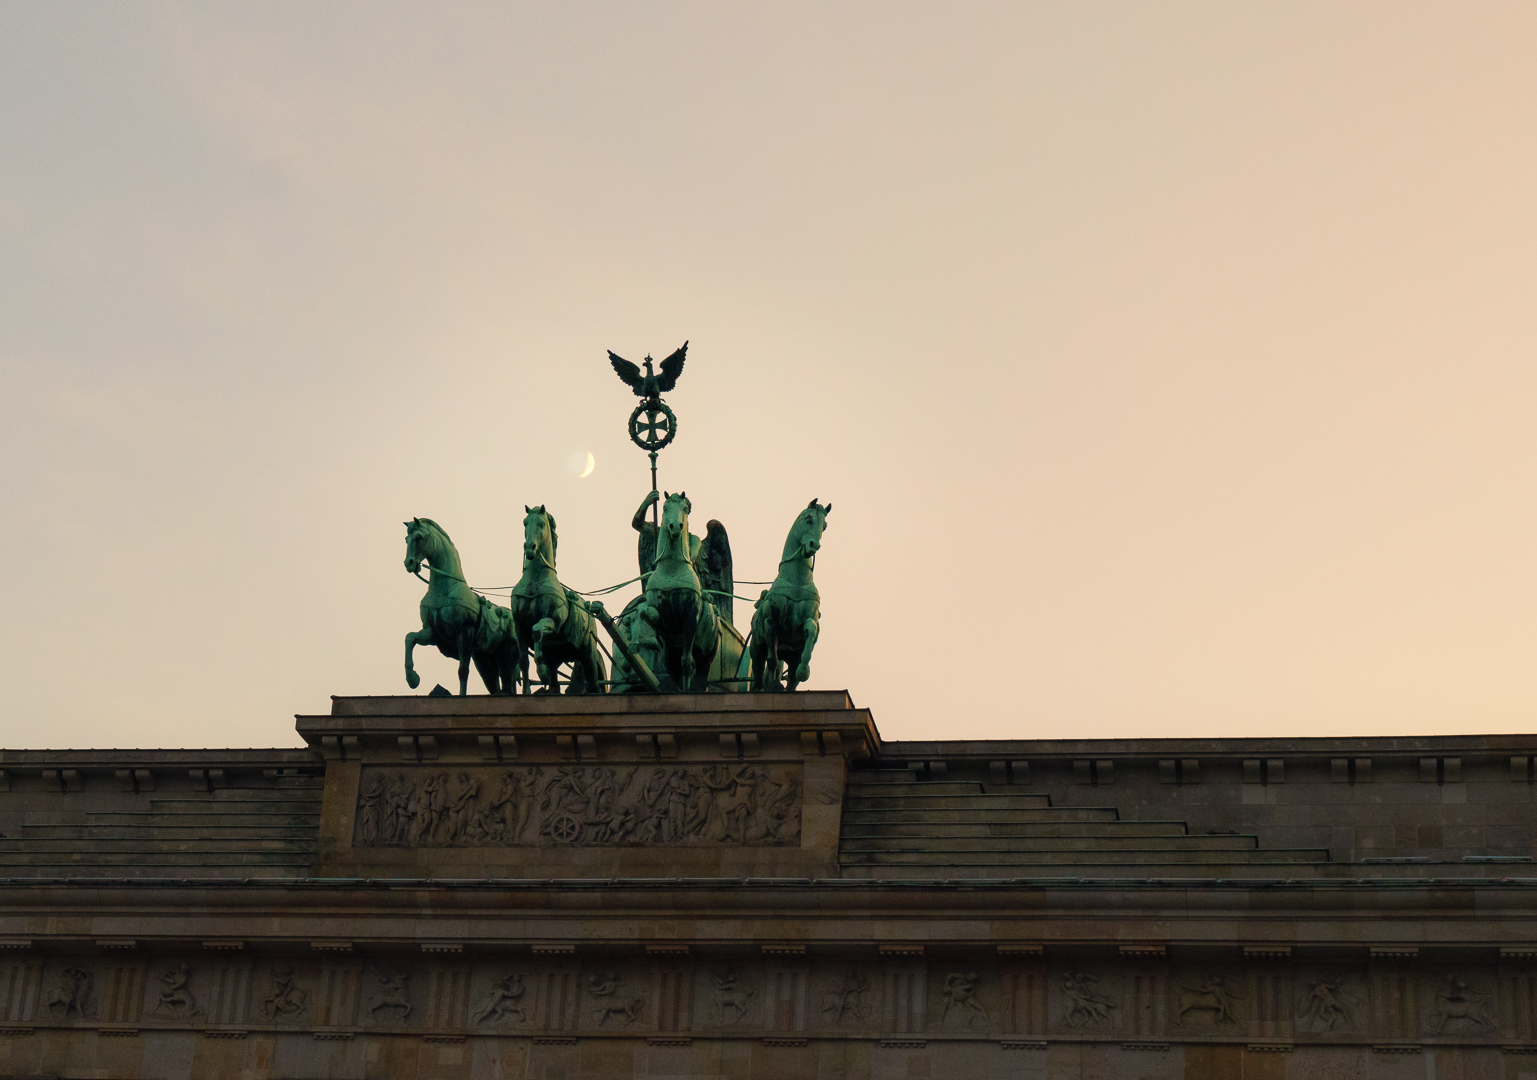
[
  {"x": 941, "y": 845},
  {"x": 948, "y": 802},
  {"x": 91, "y": 856},
  {"x": 980, "y": 816},
  {"x": 119, "y": 833},
  {"x": 1023, "y": 830},
  {"x": 104, "y": 818},
  {"x": 96, "y": 848},
  {"x": 919, "y": 787},
  {"x": 1103, "y": 857},
  {"x": 234, "y": 797},
  {"x": 1087, "y": 871},
  {"x": 10, "y": 865}
]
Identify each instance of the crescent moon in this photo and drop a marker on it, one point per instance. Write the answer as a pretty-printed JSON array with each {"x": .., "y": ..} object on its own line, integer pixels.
[{"x": 588, "y": 470}]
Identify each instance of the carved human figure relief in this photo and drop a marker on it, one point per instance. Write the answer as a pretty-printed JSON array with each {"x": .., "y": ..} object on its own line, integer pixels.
[
  {"x": 285, "y": 1000},
  {"x": 1208, "y": 999},
  {"x": 611, "y": 1002},
  {"x": 847, "y": 1002},
  {"x": 72, "y": 995},
  {"x": 1327, "y": 1005},
  {"x": 1085, "y": 1003},
  {"x": 389, "y": 999},
  {"x": 960, "y": 997},
  {"x": 1460, "y": 1009},
  {"x": 176, "y": 998},
  {"x": 580, "y": 805},
  {"x": 733, "y": 1001},
  {"x": 502, "y": 1002}
]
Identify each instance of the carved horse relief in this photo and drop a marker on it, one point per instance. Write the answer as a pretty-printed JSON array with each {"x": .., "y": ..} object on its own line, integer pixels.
[
  {"x": 787, "y": 617},
  {"x": 461, "y": 623},
  {"x": 579, "y": 806}
]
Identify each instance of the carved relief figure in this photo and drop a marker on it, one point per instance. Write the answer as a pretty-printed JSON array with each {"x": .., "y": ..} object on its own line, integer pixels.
[
  {"x": 176, "y": 999},
  {"x": 390, "y": 996},
  {"x": 1328, "y": 1005},
  {"x": 501, "y": 1002},
  {"x": 464, "y": 807},
  {"x": 528, "y": 786},
  {"x": 286, "y": 1001},
  {"x": 731, "y": 997},
  {"x": 397, "y": 811},
  {"x": 582, "y": 804},
  {"x": 1459, "y": 1008},
  {"x": 1085, "y": 1004},
  {"x": 960, "y": 994},
  {"x": 1211, "y": 996},
  {"x": 371, "y": 808},
  {"x": 847, "y": 1002},
  {"x": 604, "y": 985},
  {"x": 71, "y": 993}
]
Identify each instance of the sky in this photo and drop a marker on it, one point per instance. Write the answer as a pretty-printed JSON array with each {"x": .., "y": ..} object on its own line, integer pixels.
[{"x": 1171, "y": 368}]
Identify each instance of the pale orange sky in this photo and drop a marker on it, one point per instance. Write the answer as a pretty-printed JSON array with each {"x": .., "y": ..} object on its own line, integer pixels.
[{"x": 1170, "y": 367}]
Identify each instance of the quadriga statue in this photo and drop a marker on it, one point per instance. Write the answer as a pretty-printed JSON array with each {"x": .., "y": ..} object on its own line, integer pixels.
[
  {"x": 787, "y": 616},
  {"x": 686, "y": 628},
  {"x": 552, "y": 619},
  {"x": 464, "y": 625}
]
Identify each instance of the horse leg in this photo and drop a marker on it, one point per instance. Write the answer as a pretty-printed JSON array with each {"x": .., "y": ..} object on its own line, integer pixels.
[
  {"x": 771, "y": 681},
  {"x": 466, "y": 651},
  {"x": 809, "y": 630},
  {"x": 490, "y": 674},
  {"x": 418, "y": 637},
  {"x": 757, "y": 655},
  {"x": 548, "y": 672},
  {"x": 591, "y": 666}
]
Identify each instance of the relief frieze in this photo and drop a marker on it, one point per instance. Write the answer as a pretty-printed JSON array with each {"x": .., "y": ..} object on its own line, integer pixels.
[
  {"x": 1330, "y": 1003},
  {"x": 1207, "y": 999},
  {"x": 1085, "y": 1003},
  {"x": 579, "y": 805},
  {"x": 1458, "y": 1007}
]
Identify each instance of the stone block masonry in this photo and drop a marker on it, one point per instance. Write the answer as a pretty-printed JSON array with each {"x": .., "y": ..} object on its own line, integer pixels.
[{"x": 760, "y": 886}]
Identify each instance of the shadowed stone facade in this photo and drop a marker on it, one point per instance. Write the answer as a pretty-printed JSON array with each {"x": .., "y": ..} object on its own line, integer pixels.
[{"x": 749, "y": 886}]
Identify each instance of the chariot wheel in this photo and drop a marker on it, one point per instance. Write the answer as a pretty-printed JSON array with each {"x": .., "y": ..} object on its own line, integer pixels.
[
  {"x": 565, "y": 829},
  {"x": 653, "y": 425}
]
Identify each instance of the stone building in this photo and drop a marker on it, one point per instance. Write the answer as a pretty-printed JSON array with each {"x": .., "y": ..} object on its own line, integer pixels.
[{"x": 760, "y": 886}]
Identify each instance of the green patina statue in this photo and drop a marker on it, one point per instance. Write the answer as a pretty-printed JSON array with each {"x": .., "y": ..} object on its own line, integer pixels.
[
  {"x": 787, "y": 616},
  {"x": 551, "y": 618},
  {"x": 678, "y": 635},
  {"x": 462, "y": 624},
  {"x": 693, "y": 644}
]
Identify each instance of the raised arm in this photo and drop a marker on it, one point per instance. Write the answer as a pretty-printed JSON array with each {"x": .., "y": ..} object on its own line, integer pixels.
[{"x": 638, "y": 522}]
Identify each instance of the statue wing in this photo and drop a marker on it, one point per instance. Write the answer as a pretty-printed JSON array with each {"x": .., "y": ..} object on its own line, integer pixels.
[
  {"x": 626, "y": 370},
  {"x": 672, "y": 367},
  {"x": 715, "y": 569}
]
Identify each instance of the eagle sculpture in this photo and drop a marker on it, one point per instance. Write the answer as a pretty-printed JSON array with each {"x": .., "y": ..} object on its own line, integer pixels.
[{"x": 651, "y": 385}]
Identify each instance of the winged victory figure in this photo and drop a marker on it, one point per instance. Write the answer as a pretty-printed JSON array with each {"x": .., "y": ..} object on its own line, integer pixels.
[{"x": 651, "y": 385}]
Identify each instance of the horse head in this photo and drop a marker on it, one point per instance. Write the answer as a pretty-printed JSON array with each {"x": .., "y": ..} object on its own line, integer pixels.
[
  {"x": 424, "y": 543},
  {"x": 539, "y": 533},
  {"x": 805, "y": 537},
  {"x": 675, "y": 512}
]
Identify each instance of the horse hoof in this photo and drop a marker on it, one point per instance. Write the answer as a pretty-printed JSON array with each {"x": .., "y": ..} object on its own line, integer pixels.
[{"x": 413, "y": 680}]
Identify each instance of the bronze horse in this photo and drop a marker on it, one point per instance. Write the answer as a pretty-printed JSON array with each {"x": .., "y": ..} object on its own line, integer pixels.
[
  {"x": 787, "y": 617},
  {"x": 674, "y": 607},
  {"x": 464, "y": 625},
  {"x": 550, "y": 618}
]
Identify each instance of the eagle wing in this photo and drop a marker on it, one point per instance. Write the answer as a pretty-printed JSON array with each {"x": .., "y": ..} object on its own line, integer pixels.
[
  {"x": 672, "y": 367},
  {"x": 626, "y": 371}
]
